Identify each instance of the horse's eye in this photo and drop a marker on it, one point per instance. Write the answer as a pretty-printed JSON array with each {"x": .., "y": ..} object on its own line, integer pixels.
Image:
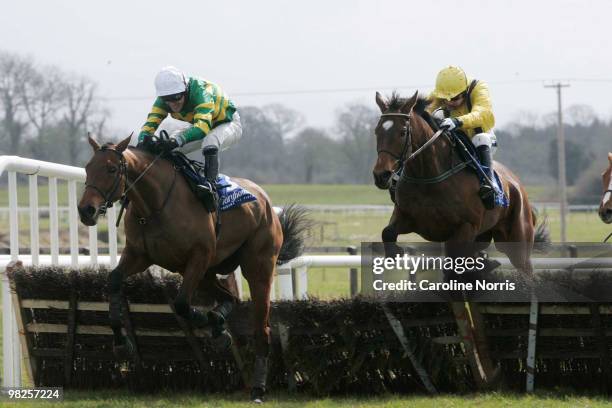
[{"x": 112, "y": 170}]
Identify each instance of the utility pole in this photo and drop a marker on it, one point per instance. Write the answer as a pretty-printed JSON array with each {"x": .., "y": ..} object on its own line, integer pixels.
[{"x": 561, "y": 160}]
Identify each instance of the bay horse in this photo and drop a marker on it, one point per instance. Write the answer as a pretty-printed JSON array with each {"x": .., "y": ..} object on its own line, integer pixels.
[
  {"x": 605, "y": 207},
  {"x": 166, "y": 225},
  {"x": 437, "y": 198}
]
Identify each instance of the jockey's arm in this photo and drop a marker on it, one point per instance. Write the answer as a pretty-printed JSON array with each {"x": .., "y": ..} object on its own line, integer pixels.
[
  {"x": 202, "y": 117},
  {"x": 159, "y": 111},
  {"x": 482, "y": 110}
]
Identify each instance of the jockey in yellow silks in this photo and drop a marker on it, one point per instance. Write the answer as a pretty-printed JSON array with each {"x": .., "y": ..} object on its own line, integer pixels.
[{"x": 464, "y": 104}]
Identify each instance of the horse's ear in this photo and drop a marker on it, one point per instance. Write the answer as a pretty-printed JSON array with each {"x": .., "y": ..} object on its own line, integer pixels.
[
  {"x": 92, "y": 142},
  {"x": 410, "y": 103},
  {"x": 382, "y": 104},
  {"x": 122, "y": 145}
]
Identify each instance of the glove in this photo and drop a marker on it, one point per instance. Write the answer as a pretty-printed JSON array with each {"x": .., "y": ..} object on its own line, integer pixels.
[
  {"x": 450, "y": 123},
  {"x": 167, "y": 144},
  {"x": 146, "y": 142}
]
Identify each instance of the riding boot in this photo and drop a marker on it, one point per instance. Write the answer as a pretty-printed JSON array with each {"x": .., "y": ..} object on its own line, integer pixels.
[
  {"x": 208, "y": 190},
  {"x": 486, "y": 192}
]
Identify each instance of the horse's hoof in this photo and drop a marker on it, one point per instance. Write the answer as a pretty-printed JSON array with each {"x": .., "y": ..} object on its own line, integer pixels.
[
  {"x": 257, "y": 395},
  {"x": 123, "y": 351},
  {"x": 222, "y": 341}
]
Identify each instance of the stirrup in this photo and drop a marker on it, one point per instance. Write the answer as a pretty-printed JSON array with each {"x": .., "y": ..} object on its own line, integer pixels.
[{"x": 208, "y": 195}]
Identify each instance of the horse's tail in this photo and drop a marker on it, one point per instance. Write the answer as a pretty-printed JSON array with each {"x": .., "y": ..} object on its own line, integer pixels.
[
  {"x": 541, "y": 239},
  {"x": 295, "y": 224}
]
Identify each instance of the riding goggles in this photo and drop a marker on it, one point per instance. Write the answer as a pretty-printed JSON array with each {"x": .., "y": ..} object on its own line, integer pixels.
[{"x": 173, "y": 97}]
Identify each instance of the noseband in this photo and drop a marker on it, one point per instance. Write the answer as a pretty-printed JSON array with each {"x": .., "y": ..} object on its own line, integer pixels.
[
  {"x": 108, "y": 196},
  {"x": 407, "y": 135}
]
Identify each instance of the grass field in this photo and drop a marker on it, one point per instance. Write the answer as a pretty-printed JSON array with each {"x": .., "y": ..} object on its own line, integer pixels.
[
  {"x": 279, "y": 193},
  {"x": 79, "y": 399}
]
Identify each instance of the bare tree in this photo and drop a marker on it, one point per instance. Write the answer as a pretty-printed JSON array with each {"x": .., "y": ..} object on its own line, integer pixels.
[
  {"x": 580, "y": 114},
  {"x": 80, "y": 110},
  {"x": 42, "y": 97},
  {"x": 285, "y": 120},
  {"x": 355, "y": 126},
  {"x": 14, "y": 71},
  {"x": 312, "y": 153}
]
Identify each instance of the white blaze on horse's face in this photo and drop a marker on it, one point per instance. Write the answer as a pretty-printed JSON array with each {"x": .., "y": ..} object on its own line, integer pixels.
[{"x": 387, "y": 124}]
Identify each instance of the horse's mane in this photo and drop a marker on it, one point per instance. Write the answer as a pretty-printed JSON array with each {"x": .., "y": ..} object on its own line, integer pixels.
[{"x": 396, "y": 102}]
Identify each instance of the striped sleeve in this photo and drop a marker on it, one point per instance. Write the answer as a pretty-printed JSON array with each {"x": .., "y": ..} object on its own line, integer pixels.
[
  {"x": 157, "y": 114},
  {"x": 203, "y": 115}
]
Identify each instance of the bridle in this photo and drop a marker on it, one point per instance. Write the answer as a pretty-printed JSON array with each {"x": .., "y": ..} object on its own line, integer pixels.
[
  {"x": 108, "y": 196},
  {"x": 402, "y": 159},
  {"x": 406, "y": 134}
]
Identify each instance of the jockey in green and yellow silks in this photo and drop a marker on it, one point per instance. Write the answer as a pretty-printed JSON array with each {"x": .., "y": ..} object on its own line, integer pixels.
[
  {"x": 215, "y": 122},
  {"x": 464, "y": 105}
]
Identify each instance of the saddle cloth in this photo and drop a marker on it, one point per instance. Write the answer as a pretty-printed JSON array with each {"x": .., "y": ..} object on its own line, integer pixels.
[{"x": 231, "y": 195}]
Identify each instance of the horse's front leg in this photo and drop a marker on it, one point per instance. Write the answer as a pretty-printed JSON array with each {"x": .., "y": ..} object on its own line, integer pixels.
[
  {"x": 461, "y": 245},
  {"x": 131, "y": 263},
  {"x": 192, "y": 275},
  {"x": 398, "y": 224}
]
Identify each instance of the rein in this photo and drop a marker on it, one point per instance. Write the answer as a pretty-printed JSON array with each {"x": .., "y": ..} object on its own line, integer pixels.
[
  {"x": 402, "y": 159},
  {"x": 108, "y": 196}
]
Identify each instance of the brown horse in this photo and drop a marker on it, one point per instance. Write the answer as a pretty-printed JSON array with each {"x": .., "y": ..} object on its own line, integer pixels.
[
  {"x": 437, "y": 198},
  {"x": 166, "y": 225},
  {"x": 605, "y": 207}
]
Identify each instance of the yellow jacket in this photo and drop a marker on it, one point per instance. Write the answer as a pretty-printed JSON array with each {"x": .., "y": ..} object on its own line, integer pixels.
[{"x": 481, "y": 115}]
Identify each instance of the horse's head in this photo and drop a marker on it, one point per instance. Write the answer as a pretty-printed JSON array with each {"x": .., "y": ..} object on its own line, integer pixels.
[
  {"x": 105, "y": 182},
  {"x": 392, "y": 136},
  {"x": 605, "y": 208}
]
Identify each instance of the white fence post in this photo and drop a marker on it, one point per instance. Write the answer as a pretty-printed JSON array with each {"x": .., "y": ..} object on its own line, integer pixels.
[
  {"x": 111, "y": 218},
  {"x": 285, "y": 284},
  {"x": 300, "y": 277},
  {"x": 34, "y": 214},
  {"x": 73, "y": 224},
  {"x": 11, "y": 352},
  {"x": 53, "y": 221},
  {"x": 93, "y": 245}
]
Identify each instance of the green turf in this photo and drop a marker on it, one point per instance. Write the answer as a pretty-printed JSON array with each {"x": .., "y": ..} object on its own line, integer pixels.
[
  {"x": 494, "y": 400},
  {"x": 279, "y": 193}
]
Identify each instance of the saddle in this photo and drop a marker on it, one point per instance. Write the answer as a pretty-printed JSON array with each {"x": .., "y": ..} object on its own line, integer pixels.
[
  {"x": 230, "y": 194},
  {"x": 193, "y": 171}
]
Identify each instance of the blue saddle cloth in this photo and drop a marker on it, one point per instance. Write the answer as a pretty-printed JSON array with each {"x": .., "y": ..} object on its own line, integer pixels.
[
  {"x": 501, "y": 200},
  {"x": 231, "y": 195}
]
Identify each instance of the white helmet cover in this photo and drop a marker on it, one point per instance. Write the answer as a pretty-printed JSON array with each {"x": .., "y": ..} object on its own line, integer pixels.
[{"x": 169, "y": 81}]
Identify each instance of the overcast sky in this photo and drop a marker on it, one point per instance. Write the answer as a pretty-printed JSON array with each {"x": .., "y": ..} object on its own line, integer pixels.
[{"x": 255, "y": 47}]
